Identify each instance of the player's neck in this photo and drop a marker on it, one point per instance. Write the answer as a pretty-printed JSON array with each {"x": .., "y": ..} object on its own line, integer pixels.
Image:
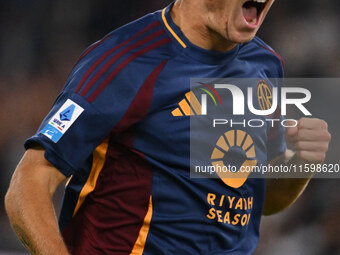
[{"x": 189, "y": 19}]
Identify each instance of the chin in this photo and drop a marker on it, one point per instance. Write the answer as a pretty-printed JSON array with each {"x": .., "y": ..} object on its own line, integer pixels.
[{"x": 241, "y": 37}]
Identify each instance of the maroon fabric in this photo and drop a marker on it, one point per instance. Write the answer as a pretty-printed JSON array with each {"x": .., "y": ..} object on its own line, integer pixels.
[
  {"x": 104, "y": 56},
  {"x": 117, "y": 70},
  {"x": 110, "y": 219},
  {"x": 93, "y": 46},
  {"x": 270, "y": 50},
  {"x": 116, "y": 57}
]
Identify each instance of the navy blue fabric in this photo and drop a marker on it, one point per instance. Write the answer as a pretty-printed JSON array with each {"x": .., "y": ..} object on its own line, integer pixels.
[{"x": 180, "y": 208}]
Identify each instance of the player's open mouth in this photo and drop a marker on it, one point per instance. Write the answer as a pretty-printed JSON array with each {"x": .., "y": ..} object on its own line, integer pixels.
[{"x": 252, "y": 11}]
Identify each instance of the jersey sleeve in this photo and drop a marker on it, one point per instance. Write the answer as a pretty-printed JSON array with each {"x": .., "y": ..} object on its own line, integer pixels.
[
  {"x": 276, "y": 143},
  {"x": 89, "y": 107},
  {"x": 70, "y": 132},
  {"x": 274, "y": 69}
]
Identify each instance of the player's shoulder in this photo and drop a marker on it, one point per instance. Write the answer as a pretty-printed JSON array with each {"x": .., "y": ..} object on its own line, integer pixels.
[
  {"x": 129, "y": 37},
  {"x": 267, "y": 49},
  {"x": 261, "y": 52},
  {"x": 138, "y": 47},
  {"x": 147, "y": 23}
]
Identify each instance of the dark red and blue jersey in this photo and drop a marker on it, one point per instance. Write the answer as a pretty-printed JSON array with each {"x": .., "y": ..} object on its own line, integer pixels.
[{"x": 120, "y": 130}]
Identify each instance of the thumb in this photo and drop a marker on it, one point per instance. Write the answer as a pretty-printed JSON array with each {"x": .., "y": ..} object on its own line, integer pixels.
[{"x": 291, "y": 131}]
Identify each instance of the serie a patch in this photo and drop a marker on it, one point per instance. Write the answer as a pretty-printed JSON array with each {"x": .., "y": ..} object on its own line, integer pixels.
[{"x": 62, "y": 120}]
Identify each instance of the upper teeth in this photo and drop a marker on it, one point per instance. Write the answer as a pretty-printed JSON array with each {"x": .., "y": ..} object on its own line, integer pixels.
[{"x": 260, "y": 1}]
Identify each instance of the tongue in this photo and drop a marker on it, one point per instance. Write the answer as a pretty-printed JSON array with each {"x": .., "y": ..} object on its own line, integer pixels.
[{"x": 250, "y": 13}]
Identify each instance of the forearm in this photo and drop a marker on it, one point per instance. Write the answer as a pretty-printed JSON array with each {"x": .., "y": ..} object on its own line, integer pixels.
[
  {"x": 310, "y": 139},
  {"x": 283, "y": 192},
  {"x": 33, "y": 219},
  {"x": 29, "y": 206}
]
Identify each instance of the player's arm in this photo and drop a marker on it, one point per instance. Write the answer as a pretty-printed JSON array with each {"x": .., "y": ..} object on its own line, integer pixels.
[
  {"x": 310, "y": 139},
  {"x": 29, "y": 205}
]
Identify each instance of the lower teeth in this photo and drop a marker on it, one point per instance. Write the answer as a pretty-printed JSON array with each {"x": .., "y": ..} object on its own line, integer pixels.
[{"x": 253, "y": 22}]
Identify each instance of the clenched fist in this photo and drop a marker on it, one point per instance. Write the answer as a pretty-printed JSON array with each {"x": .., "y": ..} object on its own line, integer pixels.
[{"x": 310, "y": 139}]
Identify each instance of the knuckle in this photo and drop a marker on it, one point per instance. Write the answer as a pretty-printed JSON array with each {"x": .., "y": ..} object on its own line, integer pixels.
[
  {"x": 324, "y": 124},
  {"x": 321, "y": 123},
  {"x": 326, "y": 136},
  {"x": 321, "y": 157},
  {"x": 321, "y": 146},
  {"x": 326, "y": 147}
]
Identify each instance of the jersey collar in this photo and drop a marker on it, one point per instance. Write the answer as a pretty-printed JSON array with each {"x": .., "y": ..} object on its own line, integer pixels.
[{"x": 181, "y": 43}]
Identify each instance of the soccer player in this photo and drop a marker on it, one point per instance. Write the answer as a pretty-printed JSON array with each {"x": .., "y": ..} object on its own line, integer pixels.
[{"x": 120, "y": 132}]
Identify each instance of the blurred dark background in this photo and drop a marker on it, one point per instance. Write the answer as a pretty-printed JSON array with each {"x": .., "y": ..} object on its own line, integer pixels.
[{"x": 41, "y": 40}]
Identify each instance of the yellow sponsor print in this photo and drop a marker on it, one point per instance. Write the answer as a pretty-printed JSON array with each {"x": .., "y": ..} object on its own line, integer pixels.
[
  {"x": 226, "y": 209},
  {"x": 230, "y": 139},
  {"x": 189, "y": 106}
]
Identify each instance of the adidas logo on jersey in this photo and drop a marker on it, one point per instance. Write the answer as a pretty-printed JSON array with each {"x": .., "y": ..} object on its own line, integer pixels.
[{"x": 189, "y": 106}]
